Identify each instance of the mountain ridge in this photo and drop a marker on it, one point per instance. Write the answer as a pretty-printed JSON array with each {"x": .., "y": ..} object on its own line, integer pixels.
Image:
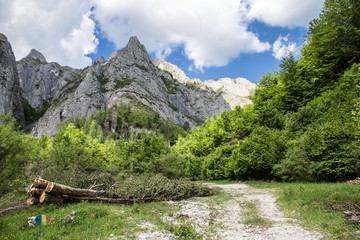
[{"x": 129, "y": 75}]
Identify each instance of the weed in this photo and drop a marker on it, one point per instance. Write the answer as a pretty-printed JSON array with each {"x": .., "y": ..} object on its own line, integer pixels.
[
  {"x": 141, "y": 67},
  {"x": 120, "y": 83},
  {"x": 251, "y": 215}
]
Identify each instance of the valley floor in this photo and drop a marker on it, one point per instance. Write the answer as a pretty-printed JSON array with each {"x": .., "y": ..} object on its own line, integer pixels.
[{"x": 241, "y": 212}]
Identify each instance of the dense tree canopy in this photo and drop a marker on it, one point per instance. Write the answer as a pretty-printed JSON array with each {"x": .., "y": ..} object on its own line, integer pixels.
[
  {"x": 305, "y": 117},
  {"x": 304, "y": 124}
]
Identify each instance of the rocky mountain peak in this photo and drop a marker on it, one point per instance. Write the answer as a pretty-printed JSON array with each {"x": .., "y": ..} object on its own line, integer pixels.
[
  {"x": 133, "y": 52},
  {"x": 3, "y": 37},
  {"x": 134, "y": 43},
  {"x": 100, "y": 60},
  {"x": 129, "y": 76},
  {"x": 34, "y": 54},
  {"x": 176, "y": 72}
]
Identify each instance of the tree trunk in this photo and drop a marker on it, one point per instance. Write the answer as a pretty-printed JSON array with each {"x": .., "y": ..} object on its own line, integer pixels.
[
  {"x": 59, "y": 189},
  {"x": 39, "y": 183},
  {"x": 32, "y": 200},
  {"x": 51, "y": 198},
  {"x": 35, "y": 191}
]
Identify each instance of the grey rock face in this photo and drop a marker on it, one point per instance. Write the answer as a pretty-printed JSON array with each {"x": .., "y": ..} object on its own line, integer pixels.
[
  {"x": 42, "y": 83},
  {"x": 234, "y": 91},
  {"x": 36, "y": 56},
  {"x": 10, "y": 99},
  {"x": 129, "y": 76}
]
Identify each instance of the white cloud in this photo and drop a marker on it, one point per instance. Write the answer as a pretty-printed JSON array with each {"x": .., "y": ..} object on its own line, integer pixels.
[
  {"x": 212, "y": 32},
  {"x": 284, "y": 13},
  {"x": 82, "y": 41},
  {"x": 60, "y": 29},
  {"x": 282, "y": 47}
]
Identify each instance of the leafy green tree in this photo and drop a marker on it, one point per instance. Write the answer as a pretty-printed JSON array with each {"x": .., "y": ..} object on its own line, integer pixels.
[
  {"x": 326, "y": 146},
  {"x": 285, "y": 90},
  {"x": 333, "y": 42},
  {"x": 16, "y": 152},
  {"x": 139, "y": 154},
  {"x": 255, "y": 156}
]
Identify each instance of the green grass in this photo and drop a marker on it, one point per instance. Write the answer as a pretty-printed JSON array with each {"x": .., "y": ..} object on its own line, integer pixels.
[
  {"x": 92, "y": 221},
  {"x": 318, "y": 205},
  {"x": 251, "y": 215},
  {"x": 120, "y": 83}
]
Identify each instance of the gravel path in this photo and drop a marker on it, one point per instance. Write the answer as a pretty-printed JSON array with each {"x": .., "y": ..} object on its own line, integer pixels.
[
  {"x": 280, "y": 227},
  {"x": 224, "y": 218}
]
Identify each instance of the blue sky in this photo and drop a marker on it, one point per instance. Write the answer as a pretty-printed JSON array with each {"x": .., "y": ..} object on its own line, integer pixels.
[
  {"x": 207, "y": 39},
  {"x": 249, "y": 65}
]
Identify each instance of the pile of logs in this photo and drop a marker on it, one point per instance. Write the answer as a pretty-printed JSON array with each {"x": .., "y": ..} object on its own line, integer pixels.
[
  {"x": 355, "y": 181},
  {"x": 43, "y": 191}
]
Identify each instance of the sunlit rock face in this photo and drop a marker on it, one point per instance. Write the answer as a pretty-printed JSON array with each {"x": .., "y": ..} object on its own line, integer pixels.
[
  {"x": 10, "y": 93},
  {"x": 129, "y": 76},
  {"x": 235, "y": 91}
]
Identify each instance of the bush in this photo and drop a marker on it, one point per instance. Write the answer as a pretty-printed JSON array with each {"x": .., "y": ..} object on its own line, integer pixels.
[
  {"x": 16, "y": 152},
  {"x": 255, "y": 156}
]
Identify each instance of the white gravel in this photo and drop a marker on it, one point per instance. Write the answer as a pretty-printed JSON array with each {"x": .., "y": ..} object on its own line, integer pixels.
[{"x": 225, "y": 221}]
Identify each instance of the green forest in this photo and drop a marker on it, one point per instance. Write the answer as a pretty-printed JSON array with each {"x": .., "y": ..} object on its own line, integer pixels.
[{"x": 303, "y": 125}]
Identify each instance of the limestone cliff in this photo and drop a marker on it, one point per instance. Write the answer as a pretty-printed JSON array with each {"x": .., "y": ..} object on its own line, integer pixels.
[
  {"x": 57, "y": 93},
  {"x": 129, "y": 75},
  {"x": 234, "y": 91},
  {"x": 10, "y": 93}
]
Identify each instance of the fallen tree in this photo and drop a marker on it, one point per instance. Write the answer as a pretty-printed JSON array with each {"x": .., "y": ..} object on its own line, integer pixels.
[{"x": 134, "y": 189}]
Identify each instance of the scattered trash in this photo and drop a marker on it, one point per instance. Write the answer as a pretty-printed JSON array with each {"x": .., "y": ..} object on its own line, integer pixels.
[
  {"x": 351, "y": 217},
  {"x": 68, "y": 218},
  {"x": 39, "y": 220},
  {"x": 44, "y": 220}
]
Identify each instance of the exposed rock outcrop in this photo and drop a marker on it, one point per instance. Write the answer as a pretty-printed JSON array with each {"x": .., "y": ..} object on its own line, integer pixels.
[
  {"x": 10, "y": 95},
  {"x": 234, "y": 91},
  {"x": 42, "y": 83},
  {"x": 129, "y": 76}
]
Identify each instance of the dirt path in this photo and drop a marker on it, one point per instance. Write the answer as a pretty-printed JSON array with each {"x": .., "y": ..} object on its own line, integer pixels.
[{"x": 241, "y": 212}]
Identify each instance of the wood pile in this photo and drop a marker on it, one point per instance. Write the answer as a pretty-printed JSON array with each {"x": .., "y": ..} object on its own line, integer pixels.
[
  {"x": 43, "y": 191},
  {"x": 355, "y": 181}
]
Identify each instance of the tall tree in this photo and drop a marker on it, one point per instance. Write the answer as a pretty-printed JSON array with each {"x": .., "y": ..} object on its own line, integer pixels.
[{"x": 333, "y": 42}]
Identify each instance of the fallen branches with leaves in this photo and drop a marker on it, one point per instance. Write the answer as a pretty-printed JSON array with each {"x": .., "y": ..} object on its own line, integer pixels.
[{"x": 143, "y": 188}]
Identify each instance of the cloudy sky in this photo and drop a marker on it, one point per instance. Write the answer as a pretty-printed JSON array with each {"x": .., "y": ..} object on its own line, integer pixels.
[{"x": 205, "y": 38}]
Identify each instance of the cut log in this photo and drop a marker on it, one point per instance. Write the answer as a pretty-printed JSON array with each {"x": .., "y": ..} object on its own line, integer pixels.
[
  {"x": 32, "y": 200},
  {"x": 59, "y": 189},
  {"x": 35, "y": 191},
  {"x": 50, "y": 192},
  {"x": 48, "y": 198},
  {"x": 39, "y": 183}
]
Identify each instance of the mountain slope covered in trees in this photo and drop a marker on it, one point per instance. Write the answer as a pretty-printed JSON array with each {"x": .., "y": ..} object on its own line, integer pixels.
[{"x": 304, "y": 123}]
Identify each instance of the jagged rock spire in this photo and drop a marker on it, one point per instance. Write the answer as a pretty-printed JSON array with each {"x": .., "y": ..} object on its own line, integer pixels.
[{"x": 36, "y": 55}]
